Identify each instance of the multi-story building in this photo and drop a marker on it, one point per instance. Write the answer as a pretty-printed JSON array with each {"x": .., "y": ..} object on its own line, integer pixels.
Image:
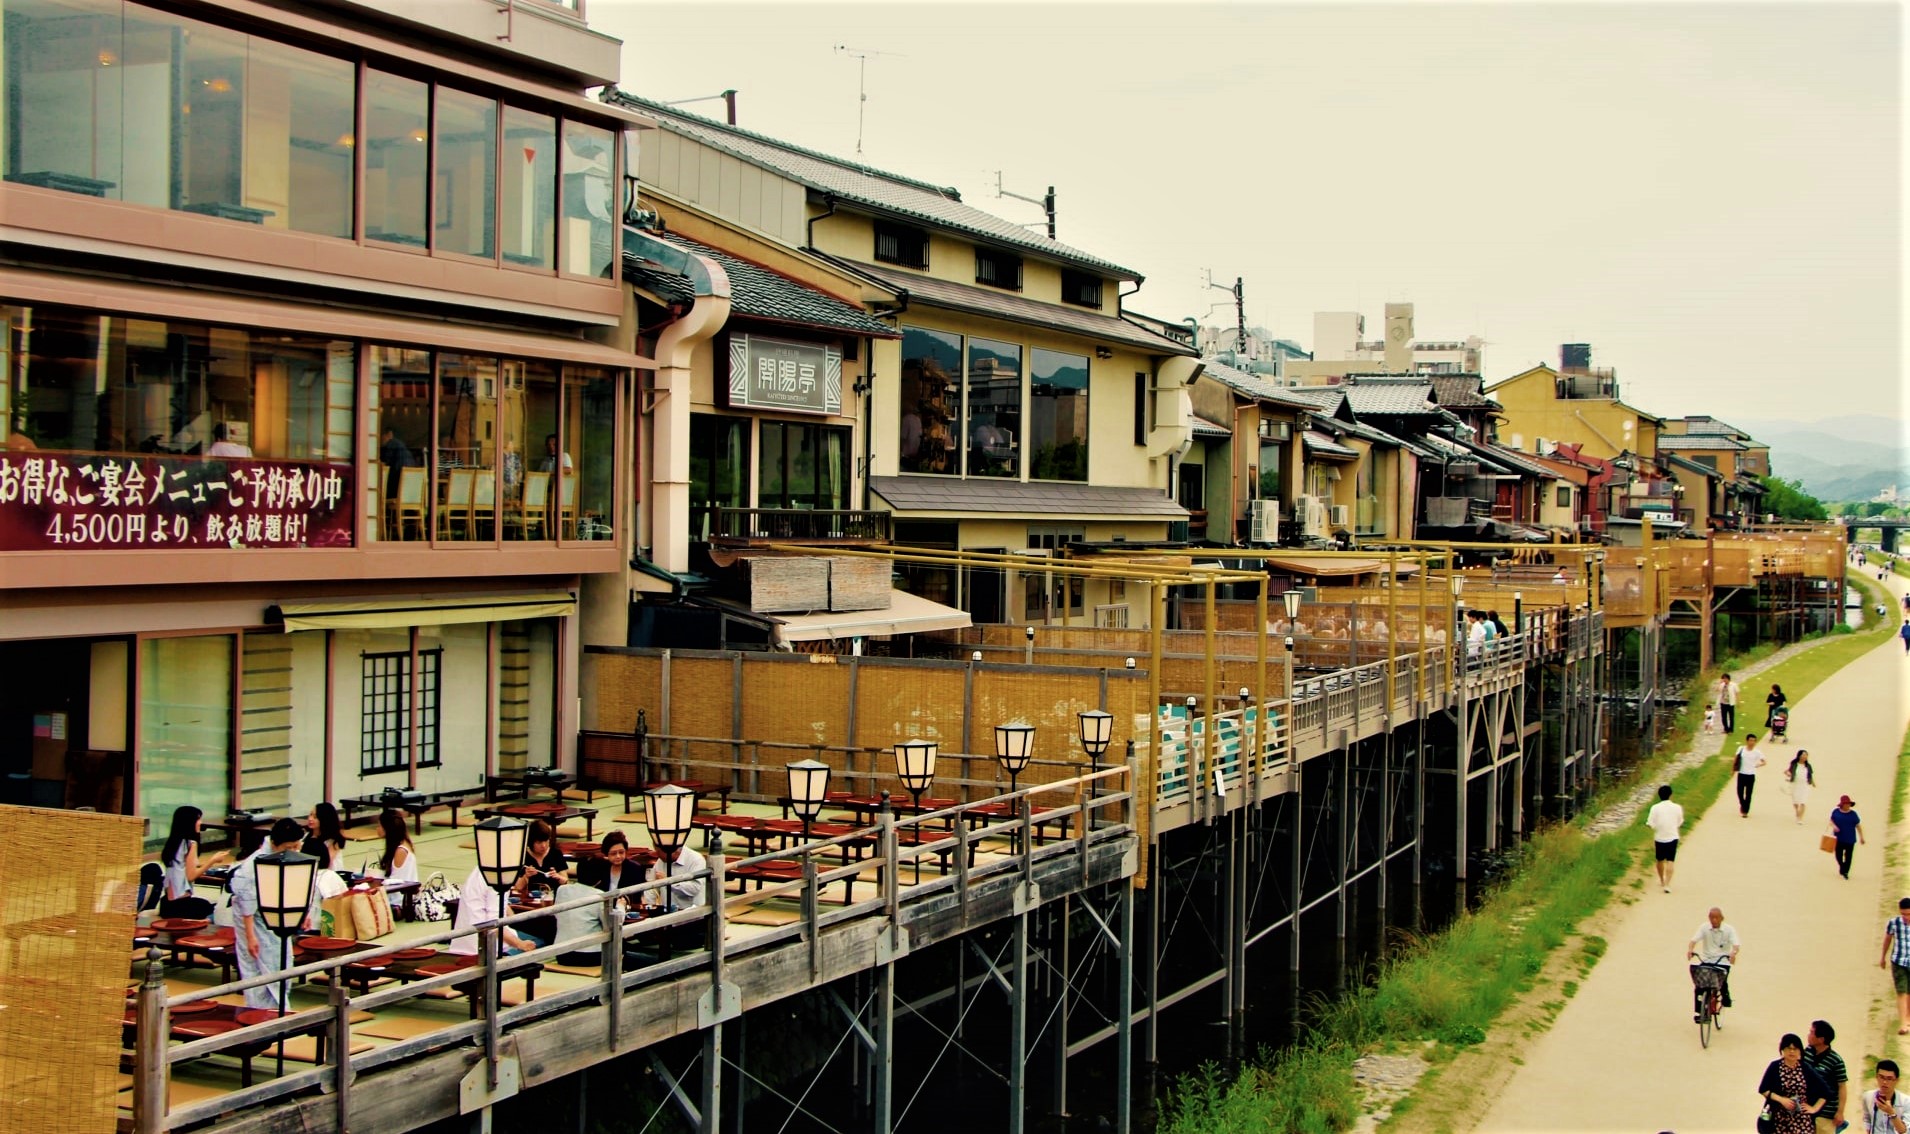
[
  {"x": 1016, "y": 411},
  {"x": 1576, "y": 404},
  {"x": 313, "y": 394},
  {"x": 1340, "y": 348}
]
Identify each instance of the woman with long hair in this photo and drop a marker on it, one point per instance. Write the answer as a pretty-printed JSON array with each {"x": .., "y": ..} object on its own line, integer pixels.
[
  {"x": 180, "y": 857},
  {"x": 1773, "y": 701},
  {"x": 399, "y": 863},
  {"x": 326, "y": 839},
  {"x": 1801, "y": 778}
]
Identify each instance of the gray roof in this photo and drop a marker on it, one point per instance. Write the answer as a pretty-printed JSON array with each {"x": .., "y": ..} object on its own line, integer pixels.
[
  {"x": 1513, "y": 459},
  {"x": 757, "y": 292},
  {"x": 1451, "y": 450},
  {"x": 1707, "y": 441},
  {"x": 933, "y": 292},
  {"x": 1696, "y": 424},
  {"x": 1394, "y": 399},
  {"x": 1693, "y": 466},
  {"x": 1206, "y": 428},
  {"x": 1253, "y": 385},
  {"x": 850, "y": 181},
  {"x": 1460, "y": 391},
  {"x": 1379, "y": 436},
  {"x": 1317, "y": 442},
  {"x": 1034, "y": 500},
  {"x": 1325, "y": 400}
]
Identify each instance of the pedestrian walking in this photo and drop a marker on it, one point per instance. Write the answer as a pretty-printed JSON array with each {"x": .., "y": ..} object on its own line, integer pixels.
[
  {"x": 1773, "y": 701},
  {"x": 1793, "y": 1093},
  {"x": 1884, "y": 1105},
  {"x": 1711, "y": 715},
  {"x": 1746, "y": 761},
  {"x": 1903, "y": 632},
  {"x": 1896, "y": 960},
  {"x": 1849, "y": 831},
  {"x": 1820, "y": 1057},
  {"x": 1728, "y": 702},
  {"x": 1802, "y": 779},
  {"x": 1665, "y": 819}
]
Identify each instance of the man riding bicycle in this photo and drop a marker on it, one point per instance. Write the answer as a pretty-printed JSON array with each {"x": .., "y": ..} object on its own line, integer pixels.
[{"x": 1714, "y": 944}]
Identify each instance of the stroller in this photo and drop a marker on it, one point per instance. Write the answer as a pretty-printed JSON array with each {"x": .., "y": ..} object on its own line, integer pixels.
[{"x": 1780, "y": 720}]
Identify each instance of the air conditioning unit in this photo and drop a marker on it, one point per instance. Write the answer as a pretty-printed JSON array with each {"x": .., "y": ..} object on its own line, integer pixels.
[
  {"x": 1342, "y": 516},
  {"x": 1310, "y": 513},
  {"x": 1543, "y": 446},
  {"x": 1264, "y": 522},
  {"x": 1113, "y": 617}
]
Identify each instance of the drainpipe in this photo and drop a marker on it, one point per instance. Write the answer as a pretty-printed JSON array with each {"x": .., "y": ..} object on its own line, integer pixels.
[
  {"x": 809, "y": 235},
  {"x": 867, "y": 388},
  {"x": 670, "y": 415}
]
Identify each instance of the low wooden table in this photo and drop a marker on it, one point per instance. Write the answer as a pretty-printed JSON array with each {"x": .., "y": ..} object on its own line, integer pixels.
[
  {"x": 553, "y": 813},
  {"x": 524, "y": 785},
  {"x": 417, "y": 807}
]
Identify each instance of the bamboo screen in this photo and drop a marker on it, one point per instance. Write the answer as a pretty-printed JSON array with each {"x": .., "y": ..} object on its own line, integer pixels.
[
  {"x": 616, "y": 685},
  {"x": 794, "y": 699},
  {"x": 66, "y": 921}
]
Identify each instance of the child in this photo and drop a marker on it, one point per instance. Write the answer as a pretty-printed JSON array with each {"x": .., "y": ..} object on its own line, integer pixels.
[{"x": 1710, "y": 717}]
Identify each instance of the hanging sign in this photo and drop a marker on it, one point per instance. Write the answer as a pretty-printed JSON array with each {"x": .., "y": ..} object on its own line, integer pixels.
[{"x": 777, "y": 374}]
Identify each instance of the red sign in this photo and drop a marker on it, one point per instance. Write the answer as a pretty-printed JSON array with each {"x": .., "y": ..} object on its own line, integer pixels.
[{"x": 93, "y": 501}]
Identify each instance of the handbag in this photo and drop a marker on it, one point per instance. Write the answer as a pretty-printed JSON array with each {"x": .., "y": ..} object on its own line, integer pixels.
[
  {"x": 1767, "y": 1119},
  {"x": 1827, "y": 843},
  {"x": 434, "y": 899}
]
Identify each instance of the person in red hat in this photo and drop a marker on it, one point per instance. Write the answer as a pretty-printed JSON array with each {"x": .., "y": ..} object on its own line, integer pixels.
[{"x": 1849, "y": 831}]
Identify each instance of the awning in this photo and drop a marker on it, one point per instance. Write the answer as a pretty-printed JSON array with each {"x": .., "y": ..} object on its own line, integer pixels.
[
  {"x": 374, "y": 614},
  {"x": 1317, "y": 442},
  {"x": 907, "y": 614},
  {"x": 1333, "y": 565}
]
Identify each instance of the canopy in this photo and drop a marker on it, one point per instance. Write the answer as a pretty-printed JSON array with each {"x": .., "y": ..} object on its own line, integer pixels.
[
  {"x": 907, "y": 614},
  {"x": 1333, "y": 565},
  {"x": 418, "y": 610}
]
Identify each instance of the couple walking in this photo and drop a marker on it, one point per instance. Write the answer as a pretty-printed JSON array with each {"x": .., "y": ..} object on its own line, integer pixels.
[{"x": 1846, "y": 826}]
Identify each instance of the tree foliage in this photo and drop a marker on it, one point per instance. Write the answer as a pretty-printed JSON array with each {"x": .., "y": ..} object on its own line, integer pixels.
[{"x": 1787, "y": 500}]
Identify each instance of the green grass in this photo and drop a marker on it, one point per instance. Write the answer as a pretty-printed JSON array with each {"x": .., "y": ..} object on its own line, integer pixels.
[{"x": 1451, "y": 987}]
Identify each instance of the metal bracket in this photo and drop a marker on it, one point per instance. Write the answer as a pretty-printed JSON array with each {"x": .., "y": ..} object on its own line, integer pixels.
[
  {"x": 475, "y": 1091},
  {"x": 890, "y": 948},
  {"x": 709, "y": 1012},
  {"x": 1027, "y": 897}
]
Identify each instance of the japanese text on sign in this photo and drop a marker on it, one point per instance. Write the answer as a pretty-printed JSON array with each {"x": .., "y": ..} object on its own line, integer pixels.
[
  {"x": 84, "y": 501},
  {"x": 784, "y": 375}
]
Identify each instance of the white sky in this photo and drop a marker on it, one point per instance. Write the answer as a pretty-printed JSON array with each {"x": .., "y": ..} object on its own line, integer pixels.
[{"x": 1709, "y": 194}]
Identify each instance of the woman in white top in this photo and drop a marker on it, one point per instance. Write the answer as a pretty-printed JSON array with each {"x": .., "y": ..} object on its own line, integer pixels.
[
  {"x": 326, "y": 839},
  {"x": 1802, "y": 779},
  {"x": 180, "y": 857},
  {"x": 400, "y": 860}
]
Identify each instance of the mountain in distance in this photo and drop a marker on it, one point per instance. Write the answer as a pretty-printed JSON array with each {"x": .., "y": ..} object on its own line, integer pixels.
[{"x": 1849, "y": 457}]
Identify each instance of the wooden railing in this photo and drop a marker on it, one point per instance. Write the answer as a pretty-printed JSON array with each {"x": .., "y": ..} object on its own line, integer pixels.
[{"x": 798, "y": 524}]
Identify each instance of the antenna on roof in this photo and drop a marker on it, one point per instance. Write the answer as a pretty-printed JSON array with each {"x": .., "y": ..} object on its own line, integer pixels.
[
  {"x": 1046, "y": 203},
  {"x": 861, "y": 56},
  {"x": 728, "y": 97}
]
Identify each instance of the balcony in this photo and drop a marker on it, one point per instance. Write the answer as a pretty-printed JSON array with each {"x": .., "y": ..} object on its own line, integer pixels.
[{"x": 797, "y": 525}]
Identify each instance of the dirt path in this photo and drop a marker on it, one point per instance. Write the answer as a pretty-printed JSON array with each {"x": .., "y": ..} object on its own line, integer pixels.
[{"x": 1623, "y": 1054}]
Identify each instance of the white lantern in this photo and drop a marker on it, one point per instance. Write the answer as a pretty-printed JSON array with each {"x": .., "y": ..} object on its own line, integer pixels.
[{"x": 1097, "y": 732}]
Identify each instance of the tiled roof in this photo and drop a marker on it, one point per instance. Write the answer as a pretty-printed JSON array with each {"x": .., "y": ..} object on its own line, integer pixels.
[
  {"x": 1317, "y": 442},
  {"x": 1449, "y": 449},
  {"x": 935, "y": 292},
  {"x": 1460, "y": 391},
  {"x": 1391, "y": 399},
  {"x": 1518, "y": 462},
  {"x": 1206, "y": 428},
  {"x": 757, "y": 292},
  {"x": 1711, "y": 442},
  {"x": 1253, "y": 385},
  {"x": 1037, "y": 500},
  {"x": 1703, "y": 424},
  {"x": 1693, "y": 466},
  {"x": 865, "y": 185},
  {"x": 1325, "y": 400}
]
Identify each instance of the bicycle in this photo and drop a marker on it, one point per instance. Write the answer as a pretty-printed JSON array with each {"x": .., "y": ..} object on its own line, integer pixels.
[{"x": 1707, "y": 998}]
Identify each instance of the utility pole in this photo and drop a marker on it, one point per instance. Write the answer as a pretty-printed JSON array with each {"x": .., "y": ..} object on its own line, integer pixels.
[
  {"x": 1239, "y": 292},
  {"x": 1046, "y": 203},
  {"x": 861, "y": 56}
]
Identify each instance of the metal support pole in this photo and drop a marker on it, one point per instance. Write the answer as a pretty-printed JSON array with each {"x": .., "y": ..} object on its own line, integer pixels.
[
  {"x": 1341, "y": 840},
  {"x": 1018, "y": 1028},
  {"x": 1210, "y": 699},
  {"x": 1385, "y": 841},
  {"x": 1296, "y": 795},
  {"x": 1061, "y": 1012},
  {"x": 1153, "y": 971},
  {"x": 1124, "y": 1022},
  {"x": 884, "y": 1053}
]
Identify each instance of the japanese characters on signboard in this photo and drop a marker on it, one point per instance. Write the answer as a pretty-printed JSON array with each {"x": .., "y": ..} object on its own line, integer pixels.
[
  {"x": 782, "y": 375},
  {"x": 97, "y": 501}
]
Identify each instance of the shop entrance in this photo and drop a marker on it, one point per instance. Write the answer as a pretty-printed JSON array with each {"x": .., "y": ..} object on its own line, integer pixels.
[{"x": 63, "y": 714}]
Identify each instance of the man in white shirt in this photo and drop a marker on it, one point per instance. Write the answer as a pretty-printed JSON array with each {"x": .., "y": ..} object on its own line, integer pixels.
[
  {"x": 1665, "y": 820},
  {"x": 1747, "y": 760},
  {"x": 1715, "y": 943},
  {"x": 1728, "y": 702},
  {"x": 223, "y": 445},
  {"x": 477, "y": 904},
  {"x": 685, "y": 893},
  {"x": 1884, "y": 1107}
]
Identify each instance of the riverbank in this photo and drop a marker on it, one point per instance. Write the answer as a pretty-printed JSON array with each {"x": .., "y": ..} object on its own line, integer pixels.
[{"x": 1496, "y": 975}]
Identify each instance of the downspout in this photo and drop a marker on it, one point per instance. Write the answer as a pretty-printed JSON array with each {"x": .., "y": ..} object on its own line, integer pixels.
[
  {"x": 670, "y": 415},
  {"x": 867, "y": 389},
  {"x": 809, "y": 234},
  {"x": 1236, "y": 456}
]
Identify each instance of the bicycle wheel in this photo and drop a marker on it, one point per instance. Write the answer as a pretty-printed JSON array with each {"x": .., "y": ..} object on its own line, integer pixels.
[{"x": 1705, "y": 1017}]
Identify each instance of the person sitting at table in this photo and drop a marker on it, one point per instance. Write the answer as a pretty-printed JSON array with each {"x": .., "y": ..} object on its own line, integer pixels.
[
  {"x": 610, "y": 872},
  {"x": 544, "y": 864},
  {"x": 180, "y": 857},
  {"x": 325, "y": 840},
  {"x": 477, "y": 904},
  {"x": 584, "y": 921},
  {"x": 684, "y": 893},
  {"x": 399, "y": 863},
  {"x": 257, "y": 948}
]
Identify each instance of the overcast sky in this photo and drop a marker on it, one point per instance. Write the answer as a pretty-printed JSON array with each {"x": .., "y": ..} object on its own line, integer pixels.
[{"x": 1708, "y": 194}]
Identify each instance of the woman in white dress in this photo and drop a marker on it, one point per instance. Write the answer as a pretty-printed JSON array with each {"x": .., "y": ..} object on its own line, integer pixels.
[
  {"x": 400, "y": 860},
  {"x": 1802, "y": 778}
]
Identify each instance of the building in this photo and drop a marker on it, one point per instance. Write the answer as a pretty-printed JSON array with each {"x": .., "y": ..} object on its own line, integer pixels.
[
  {"x": 1017, "y": 410},
  {"x": 314, "y": 393},
  {"x": 1340, "y": 348},
  {"x": 1543, "y": 407},
  {"x": 1261, "y": 353}
]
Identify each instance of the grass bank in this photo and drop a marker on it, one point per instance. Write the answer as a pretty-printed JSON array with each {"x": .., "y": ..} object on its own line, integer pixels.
[{"x": 1450, "y": 988}]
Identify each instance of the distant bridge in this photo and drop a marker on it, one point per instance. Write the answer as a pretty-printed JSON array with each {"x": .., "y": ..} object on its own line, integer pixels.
[{"x": 1888, "y": 528}]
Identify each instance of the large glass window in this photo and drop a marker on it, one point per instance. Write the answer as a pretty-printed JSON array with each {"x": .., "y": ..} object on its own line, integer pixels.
[
  {"x": 803, "y": 466},
  {"x": 531, "y": 454},
  {"x": 401, "y": 428},
  {"x": 466, "y": 195},
  {"x": 529, "y": 223},
  {"x": 1273, "y": 462},
  {"x": 185, "y": 725},
  {"x": 588, "y": 199},
  {"x": 584, "y": 495},
  {"x": 298, "y": 138},
  {"x": 466, "y": 472},
  {"x": 931, "y": 401},
  {"x": 1058, "y": 412},
  {"x": 719, "y": 469},
  {"x": 994, "y": 408},
  {"x": 397, "y": 126}
]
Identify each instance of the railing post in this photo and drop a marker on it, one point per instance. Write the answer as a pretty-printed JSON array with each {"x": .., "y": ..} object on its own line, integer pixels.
[
  {"x": 613, "y": 970},
  {"x": 340, "y": 998},
  {"x": 493, "y": 1038},
  {"x": 150, "y": 1069},
  {"x": 961, "y": 865},
  {"x": 891, "y": 863},
  {"x": 1027, "y": 832},
  {"x": 717, "y": 926},
  {"x": 809, "y": 913}
]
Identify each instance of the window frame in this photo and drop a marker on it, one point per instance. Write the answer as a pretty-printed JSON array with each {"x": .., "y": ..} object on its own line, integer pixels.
[
  {"x": 379, "y": 758},
  {"x": 901, "y": 233},
  {"x": 1075, "y": 283},
  {"x": 997, "y": 259}
]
